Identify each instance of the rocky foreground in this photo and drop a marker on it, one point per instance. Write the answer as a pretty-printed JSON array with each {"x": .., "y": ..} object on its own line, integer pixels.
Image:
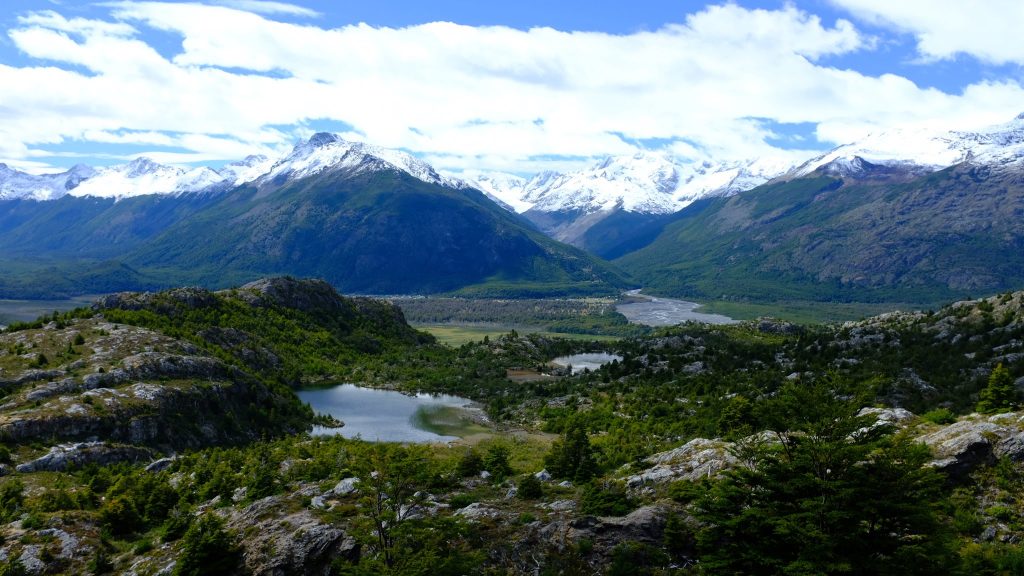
[{"x": 93, "y": 390}]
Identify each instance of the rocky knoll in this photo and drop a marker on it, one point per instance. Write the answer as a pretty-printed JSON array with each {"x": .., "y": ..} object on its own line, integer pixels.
[
  {"x": 119, "y": 383},
  {"x": 283, "y": 542},
  {"x": 182, "y": 368},
  {"x": 957, "y": 449}
]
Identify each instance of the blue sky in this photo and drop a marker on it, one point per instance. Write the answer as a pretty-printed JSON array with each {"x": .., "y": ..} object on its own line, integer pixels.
[{"x": 515, "y": 87}]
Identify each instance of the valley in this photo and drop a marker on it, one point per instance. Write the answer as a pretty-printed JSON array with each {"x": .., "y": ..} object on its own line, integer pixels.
[
  {"x": 524, "y": 402},
  {"x": 297, "y": 288},
  {"x": 201, "y": 398}
]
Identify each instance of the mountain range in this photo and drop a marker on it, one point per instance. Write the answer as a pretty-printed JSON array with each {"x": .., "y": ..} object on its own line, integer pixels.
[
  {"x": 912, "y": 214},
  {"x": 366, "y": 219}
]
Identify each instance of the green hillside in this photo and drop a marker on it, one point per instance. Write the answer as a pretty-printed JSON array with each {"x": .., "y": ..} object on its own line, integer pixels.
[
  {"x": 946, "y": 235},
  {"x": 381, "y": 232}
]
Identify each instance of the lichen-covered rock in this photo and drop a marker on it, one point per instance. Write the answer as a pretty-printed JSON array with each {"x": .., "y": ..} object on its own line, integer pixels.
[
  {"x": 963, "y": 446},
  {"x": 69, "y": 456},
  {"x": 898, "y": 417},
  {"x": 478, "y": 511},
  {"x": 773, "y": 326},
  {"x": 345, "y": 487},
  {"x": 698, "y": 458},
  {"x": 160, "y": 465},
  {"x": 162, "y": 302},
  {"x": 1011, "y": 447},
  {"x": 280, "y": 542}
]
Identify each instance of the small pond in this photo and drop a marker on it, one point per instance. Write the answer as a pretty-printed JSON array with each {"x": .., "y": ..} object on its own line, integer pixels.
[
  {"x": 591, "y": 361},
  {"x": 388, "y": 416}
]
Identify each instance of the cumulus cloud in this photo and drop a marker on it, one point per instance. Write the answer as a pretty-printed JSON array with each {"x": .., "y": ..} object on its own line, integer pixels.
[
  {"x": 461, "y": 96},
  {"x": 988, "y": 30}
]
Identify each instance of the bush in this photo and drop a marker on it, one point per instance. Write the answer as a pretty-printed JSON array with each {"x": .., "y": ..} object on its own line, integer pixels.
[
  {"x": 470, "y": 464},
  {"x": 496, "y": 461},
  {"x": 635, "y": 558},
  {"x": 1000, "y": 395},
  {"x": 99, "y": 563},
  {"x": 940, "y": 416},
  {"x": 530, "y": 487},
  {"x": 120, "y": 516},
  {"x": 572, "y": 455},
  {"x": 12, "y": 496},
  {"x": 207, "y": 548},
  {"x": 13, "y": 567},
  {"x": 608, "y": 499},
  {"x": 462, "y": 500}
]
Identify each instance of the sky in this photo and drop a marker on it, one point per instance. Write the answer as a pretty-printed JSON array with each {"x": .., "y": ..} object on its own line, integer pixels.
[{"x": 495, "y": 86}]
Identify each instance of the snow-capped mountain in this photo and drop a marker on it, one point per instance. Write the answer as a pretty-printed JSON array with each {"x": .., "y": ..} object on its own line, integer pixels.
[
  {"x": 503, "y": 188},
  {"x": 238, "y": 173},
  {"x": 17, "y": 184},
  {"x": 325, "y": 151},
  {"x": 143, "y": 176},
  {"x": 925, "y": 150},
  {"x": 601, "y": 207},
  {"x": 645, "y": 183}
]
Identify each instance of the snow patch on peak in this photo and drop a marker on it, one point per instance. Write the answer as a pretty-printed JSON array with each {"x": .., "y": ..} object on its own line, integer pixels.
[
  {"x": 254, "y": 166},
  {"x": 505, "y": 189},
  {"x": 645, "y": 182},
  {"x": 143, "y": 176},
  {"x": 15, "y": 184},
  {"x": 325, "y": 151},
  {"x": 928, "y": 149}
]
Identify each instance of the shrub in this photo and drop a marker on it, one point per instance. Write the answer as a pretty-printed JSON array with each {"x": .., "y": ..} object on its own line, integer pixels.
[
  {"x": 120, "y": 516},
  {"x": 530, "y": 487},
  {"x": 496, "y": 461},
  {"x": 940, "y": 416},
  {"x": 12, "y": 496},
  {"x": 607, "y": 499},
  {"x": 207, "y": 548},
  {"x": 470, "y": 464},
  {"x": 635, "y": 558},
  {"x": 462, "y": 500}
]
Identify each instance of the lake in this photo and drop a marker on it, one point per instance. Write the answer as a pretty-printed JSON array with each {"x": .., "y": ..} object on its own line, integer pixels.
[
  {"x": 590, "y": 361},
  {"x": 28, "y": 310},
  {"x": 666, "y": 311},
  {"x": 388, "y": 416}
]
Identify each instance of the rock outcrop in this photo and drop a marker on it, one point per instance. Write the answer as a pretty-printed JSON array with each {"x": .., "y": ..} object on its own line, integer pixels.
[
  {"x": 70, "y": 456},
  {"x": 280, "y": 543},
  {"x": 963, "y": 446},
  {"x": 698, "y": 458}
]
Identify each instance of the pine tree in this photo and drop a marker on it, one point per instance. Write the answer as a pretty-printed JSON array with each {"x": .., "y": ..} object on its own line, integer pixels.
[
  {"x": 1000, "y": 395},
  {"x": 834, "y": 495},
  {"x": 572, "y": 456},
  {"x": 207, "y": 548}
]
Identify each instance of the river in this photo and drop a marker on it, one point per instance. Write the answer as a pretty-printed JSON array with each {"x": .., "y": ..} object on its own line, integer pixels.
[{"x": 666, "y": 311}]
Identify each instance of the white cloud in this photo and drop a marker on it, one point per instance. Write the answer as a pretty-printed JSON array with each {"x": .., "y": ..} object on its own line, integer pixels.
[
  {"x": 464, "y": 97},
  {"x": 264, "y": 7},
  {"x": 985, "y": 29}
]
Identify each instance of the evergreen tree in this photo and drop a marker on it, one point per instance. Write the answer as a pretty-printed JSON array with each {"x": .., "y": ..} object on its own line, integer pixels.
[
  {"x": 1000, "y": 395},
  {"x": 572, "y": 456},
  {"x": 833, "y": 495},
  {"x": 496, "y": 461},
  {"x": 207, "y": 548}
]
